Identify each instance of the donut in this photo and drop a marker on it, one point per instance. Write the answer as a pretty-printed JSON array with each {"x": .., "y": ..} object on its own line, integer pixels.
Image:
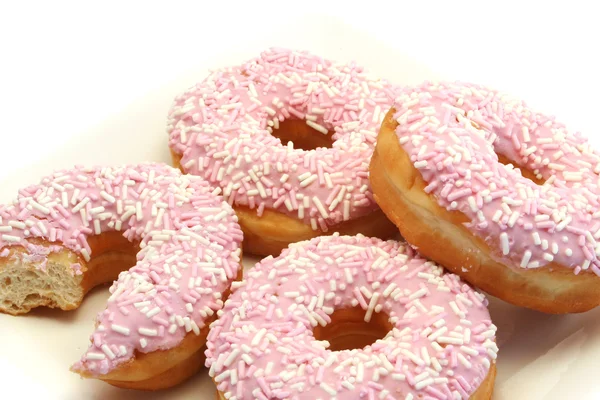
[
  {"x": 238, "y": 129},
  {"x": 500, "y": 194},
  {"x": 82, "y": 227},
  {"x": 349, "y": 317}
]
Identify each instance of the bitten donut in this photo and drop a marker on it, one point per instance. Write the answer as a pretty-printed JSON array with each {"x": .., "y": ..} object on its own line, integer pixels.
[
  {"x": 498, "y": 193},
  {"x": 82, "y": 227},
  {"x": 233, "y": 127},
  {"x": 341, "y": 317}
]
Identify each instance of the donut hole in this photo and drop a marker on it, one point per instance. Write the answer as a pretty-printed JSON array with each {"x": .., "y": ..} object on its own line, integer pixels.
[
  {"x": 301, "y": 135},
  {"x": 507, "y": 161},
  {"x": 112, "y": 253},
  {"x": 348, "y": 329},
  {"x": 524, "y": 171}
]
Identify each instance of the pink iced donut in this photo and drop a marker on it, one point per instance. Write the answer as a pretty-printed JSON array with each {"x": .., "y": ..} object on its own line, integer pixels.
[
  {"x": 295, "y": 327},
  {"x": 82, "y": 227},
  {"x": 444, "y": 172},
  {"x": 232, "y": 128}
]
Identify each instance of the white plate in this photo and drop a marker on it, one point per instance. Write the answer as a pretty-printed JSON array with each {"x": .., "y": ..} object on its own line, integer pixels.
[{"x": 97, "y": 90}]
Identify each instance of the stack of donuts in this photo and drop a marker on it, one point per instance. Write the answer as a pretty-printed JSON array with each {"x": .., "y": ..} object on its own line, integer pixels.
[{"x": 382, "y": 213}]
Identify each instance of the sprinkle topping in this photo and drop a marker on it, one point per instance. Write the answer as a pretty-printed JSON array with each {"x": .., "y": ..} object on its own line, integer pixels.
[
  {"x": 189, "y": 240},
  {"x": 441, "y": 345},
  {"x": 222, "y": 129},
  {"x": 454, "y": 133}
]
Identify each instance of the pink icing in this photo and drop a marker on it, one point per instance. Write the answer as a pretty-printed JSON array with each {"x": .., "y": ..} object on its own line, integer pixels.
[
  {"x": 189, "y": 249},
  {"x": 262, "y": 346},
  {"x": 76, "y": 268},
  {"x": 222, "y": 128},
  {"x": 526, "y": 225},
  {"x": 37, "y": 255}
]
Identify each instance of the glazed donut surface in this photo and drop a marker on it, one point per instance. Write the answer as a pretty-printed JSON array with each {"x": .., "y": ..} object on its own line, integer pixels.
[
  {"x": 81, "y": 227},
  {"x": 231, "y": 129},
  {"x": 439, "y": 341},
  {"x": 446, "y": 153}
]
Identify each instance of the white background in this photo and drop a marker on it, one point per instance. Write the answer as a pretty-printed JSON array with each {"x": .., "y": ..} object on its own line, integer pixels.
[{"x": 92, "y": 82}]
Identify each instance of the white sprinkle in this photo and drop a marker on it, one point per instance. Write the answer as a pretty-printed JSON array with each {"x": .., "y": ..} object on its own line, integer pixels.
[
  {"x": 96, "y": 210},
  {"x": 472, "y": 204},
  {"x": 120, "y": 329},
  {"x": 525, "y": 259},
  {"x": 139, "y": 214},
  {"x": 10, "y": 238},
  {"x": 389, "y": 289},
  {"x": 450, "y": 340},
  {"x": 320, "y": 207},
  {"x": 80, "y": 205},
  {"x": 562, "y": 225},
  {"x": 249, "y": 359},
  {"x": 418, "y": 294},
  {"x": 469, "y": 350},
  {"x": 463, "y": 360},
  {"x": 513, "y": 218},
  {"x": 108, "y": 351},
  {"x": 441, "y": 322},
  {"x": 399, "y": 377},
  {"x": 147, "y": 332},
  {"x": 360, "y": 372},
  {"x": 497, "y": 216},
  {"x": 572, "y": 176},
  {"x": 412, "y": 357},
  {"x": 421, "y": 376},
  {"x": 328, "y": 389},
  {"x": 39, "y": 207},
  {"x": 95, "y": 356},
  {"x": 504, "y": 242},
  {"x": 85, "y": 254},
  {"x": 456, "y": 310},
  {"x": 424, "y": 383},
  {"x": 425, "y": 355},
  {"x": 347, "y": 385},
  {"x": 569, "y": 252},
  {"x": 111, "y": 199},
  {"x": 222, "y": 376},
  {"x": 153, "y": 312},
  {"x": 97, "y": 229},
  {"x": 346, "y": 214},
  {"x": 586, "y": 264},
  {"x": 438, "y": 333},
  {"x": 371, "y": 306},
  {"x": 548, "y": 257},
  {"x": 17, "y": 224},
  {"x": 141, "y": 304},
  {"x": 258, "y": 337},
  {"x": 376, "y": 114},
  {"x": 127, "y": 214},
  {"x": 536, "y": 238},
  {"x": 231, "y": 358},
  {"x": 348, "y": 275},
  {"x": 308, "y": 180},
  {"x": 467, "y": 335},
  {"x": 317, "y": 127},
  {"x": 526, "y": 137}
]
